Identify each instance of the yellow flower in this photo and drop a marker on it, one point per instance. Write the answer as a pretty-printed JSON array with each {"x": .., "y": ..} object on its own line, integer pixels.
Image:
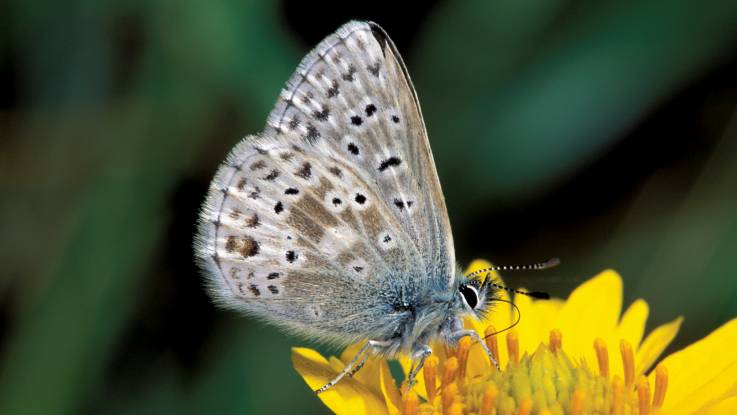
[{"x": 576, "y": 356}]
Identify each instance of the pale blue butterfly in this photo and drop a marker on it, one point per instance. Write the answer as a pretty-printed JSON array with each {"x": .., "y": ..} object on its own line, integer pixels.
[{"x": 331, "y": 223}]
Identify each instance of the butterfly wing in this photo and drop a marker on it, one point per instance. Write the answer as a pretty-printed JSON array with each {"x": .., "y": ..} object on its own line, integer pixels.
[
  {"x": 354, "y": 93},
  {"x": 336, "y": 202}
]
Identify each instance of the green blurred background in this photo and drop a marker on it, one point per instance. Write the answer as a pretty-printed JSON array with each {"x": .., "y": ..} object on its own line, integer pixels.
[{"x": 603, "y": 133}]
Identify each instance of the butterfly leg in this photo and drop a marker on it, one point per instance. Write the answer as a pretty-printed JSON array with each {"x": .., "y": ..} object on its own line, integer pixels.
[
  {"x": 375, "y": 344},
  {"x": 358, "y": 367},
  {"x": 354, "y": 365},
  {"x": 472, "y": 334},
  {"x": 418, "y": 360}
]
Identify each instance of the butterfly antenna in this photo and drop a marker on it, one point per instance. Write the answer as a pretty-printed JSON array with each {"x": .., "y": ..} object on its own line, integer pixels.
[
  {"x": 534, "y": 294},
  {"x": 538, "y": 266},
  {"x": 550, "y": 263}
]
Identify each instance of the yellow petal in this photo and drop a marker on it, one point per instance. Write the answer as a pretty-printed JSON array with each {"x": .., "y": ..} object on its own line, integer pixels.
[
  {"x": 703, "y": 373},
  {"x": 390, "y": 391},
  {"x": 336, "y": 364},
  {"x": 529, "y": 329},
  {"x": 536, "y": 320},
  {"x": 725, "y": 407},
  {"x": 632, "y": 325},
  {"x": 592, "y": 311},
  {"x": 655, "y": 343},
  {"x": 350, "y": 352},
  {"x": 347, "y": 397},
  {"x": 546, "y": 313}
]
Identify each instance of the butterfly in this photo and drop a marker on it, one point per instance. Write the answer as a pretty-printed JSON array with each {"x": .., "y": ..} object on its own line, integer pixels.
[{"x": 331, "y": 223}]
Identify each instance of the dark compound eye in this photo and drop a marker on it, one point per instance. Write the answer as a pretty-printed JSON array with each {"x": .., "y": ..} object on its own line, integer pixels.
[{"x": 470, "y": 295}]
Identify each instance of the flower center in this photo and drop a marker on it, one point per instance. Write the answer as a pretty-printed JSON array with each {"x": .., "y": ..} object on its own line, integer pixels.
[{"x": 547, "y": 382}]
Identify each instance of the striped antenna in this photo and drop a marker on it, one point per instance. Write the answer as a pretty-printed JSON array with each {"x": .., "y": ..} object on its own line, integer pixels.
[
  {"x": 534, "y": 294},
  {"x": 550, "y": 263}
]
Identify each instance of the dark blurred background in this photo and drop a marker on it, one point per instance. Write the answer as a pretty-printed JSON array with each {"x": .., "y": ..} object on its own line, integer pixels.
[{"x": 603, "y": 133}]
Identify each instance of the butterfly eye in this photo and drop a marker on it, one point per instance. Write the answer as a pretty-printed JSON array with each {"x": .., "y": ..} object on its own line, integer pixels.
[{"x": 470, "y": 294}]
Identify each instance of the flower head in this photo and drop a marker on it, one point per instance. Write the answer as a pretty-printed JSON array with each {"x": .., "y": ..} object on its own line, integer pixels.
[{"x": 575, "y": 356}]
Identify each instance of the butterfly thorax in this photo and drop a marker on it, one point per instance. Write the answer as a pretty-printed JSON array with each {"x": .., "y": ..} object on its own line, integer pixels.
[{"x": 427, "y": 315}]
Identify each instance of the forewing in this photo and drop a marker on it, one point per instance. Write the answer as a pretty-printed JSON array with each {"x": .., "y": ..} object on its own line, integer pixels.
[{"x": 353, "y": 93}]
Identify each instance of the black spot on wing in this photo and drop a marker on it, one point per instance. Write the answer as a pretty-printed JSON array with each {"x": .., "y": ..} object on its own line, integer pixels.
[
  {"x": 258, "y": 165},
  {"x": 308, "y": 97},
  {"x": 235, "y": 213},
  {"x": 390, "y": 162},
  {"x": 254, "y": 290},
  {"x": 350, "y": 75},
  {"x": 293, "y": 123},
  {"x": 353, "y": 149},
  {"x": 322, "y": 115},
  {"x": 333, "y": 91},
  {"x": 291, "y": 256},
  {"x": 253, "y": 221},
  {"x": 272, "y": 175},
  {"x": 374, "y": 69},
  {"x": 305, "y": 171},
  {"x": 241, "y": 184},
  {"x": 312, "y": 134},
  {"x": 337, "y": 172}
]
